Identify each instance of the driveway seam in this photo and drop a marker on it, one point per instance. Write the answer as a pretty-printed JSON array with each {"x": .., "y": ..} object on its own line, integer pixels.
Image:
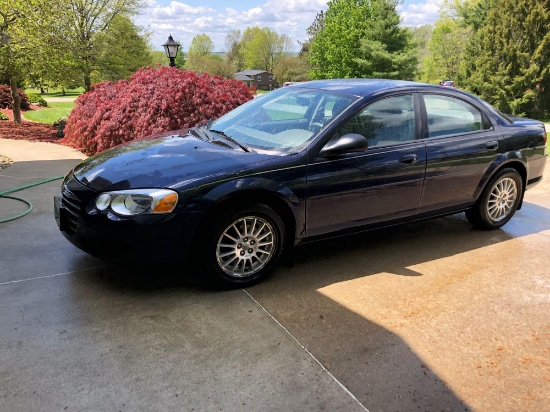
[
  {"x": 307, "y": 351},
  {"x": 48, "y": 276}
]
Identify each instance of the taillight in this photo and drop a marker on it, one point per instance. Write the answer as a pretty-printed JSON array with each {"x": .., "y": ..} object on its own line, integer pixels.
[{"x": 545, "y": 136}]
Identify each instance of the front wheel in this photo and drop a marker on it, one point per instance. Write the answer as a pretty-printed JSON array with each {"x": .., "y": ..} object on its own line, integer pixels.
[
  {"x": 242, "y": 246},
  {"x": 498, "y": 202}
]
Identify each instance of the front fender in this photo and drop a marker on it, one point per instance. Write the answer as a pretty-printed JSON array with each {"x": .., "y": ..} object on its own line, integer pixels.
[
  {"x": 254, "y": 189},
  {"x": 249, "y": 184}
]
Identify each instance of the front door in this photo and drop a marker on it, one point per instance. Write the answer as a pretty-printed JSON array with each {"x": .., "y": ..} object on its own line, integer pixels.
[{"x": 382, "y": 183}]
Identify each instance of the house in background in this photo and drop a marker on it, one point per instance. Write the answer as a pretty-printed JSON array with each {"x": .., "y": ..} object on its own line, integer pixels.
[{"x": 263, "y": 80}]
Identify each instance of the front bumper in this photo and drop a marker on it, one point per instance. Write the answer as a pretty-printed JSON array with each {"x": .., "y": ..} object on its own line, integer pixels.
[{"x": 137, "y": 239}]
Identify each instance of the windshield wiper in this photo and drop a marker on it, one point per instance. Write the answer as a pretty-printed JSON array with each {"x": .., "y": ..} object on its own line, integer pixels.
[
  {"x": 196, "y": 132},
  {"x": 242, "y": 146}
]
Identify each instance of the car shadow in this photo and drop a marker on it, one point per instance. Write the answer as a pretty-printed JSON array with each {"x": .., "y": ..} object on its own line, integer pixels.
[{"x": 376, "y": 364}]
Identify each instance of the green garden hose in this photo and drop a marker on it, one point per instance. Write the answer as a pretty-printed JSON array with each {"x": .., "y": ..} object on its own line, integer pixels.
[{"x": 29, "y": 204}]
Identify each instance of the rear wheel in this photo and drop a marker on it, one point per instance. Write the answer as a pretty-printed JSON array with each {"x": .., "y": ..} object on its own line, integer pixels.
[
  {"x": 242, "y": 246},
  {"x": 498, "y": 202}
]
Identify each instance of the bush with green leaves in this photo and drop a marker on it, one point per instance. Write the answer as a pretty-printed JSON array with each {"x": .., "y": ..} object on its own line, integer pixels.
[
  {"x": 3, "y": 116},
  {"x": 154, "y": 100},
  {"x": 37, "y": 99}
]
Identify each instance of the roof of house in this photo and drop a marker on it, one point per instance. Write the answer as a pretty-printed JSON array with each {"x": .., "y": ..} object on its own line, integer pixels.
[
  {"x": 243, "y": 77},
  {"x": 252, "y": 72}
]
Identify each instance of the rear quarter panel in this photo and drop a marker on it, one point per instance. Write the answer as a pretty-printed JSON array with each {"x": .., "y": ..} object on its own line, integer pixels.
[{"x": 524, "y": 139}]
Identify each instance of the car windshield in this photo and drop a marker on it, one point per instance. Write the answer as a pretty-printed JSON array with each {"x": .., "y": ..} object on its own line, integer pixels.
[{"x": 286, "y": 120}]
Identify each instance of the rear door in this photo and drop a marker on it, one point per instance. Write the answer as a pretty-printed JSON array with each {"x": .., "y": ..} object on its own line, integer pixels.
[{"x": 461, "y": 144}]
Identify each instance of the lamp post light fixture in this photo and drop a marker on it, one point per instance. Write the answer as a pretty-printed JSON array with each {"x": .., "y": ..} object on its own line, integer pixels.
[{"x": 171, "y": 49}]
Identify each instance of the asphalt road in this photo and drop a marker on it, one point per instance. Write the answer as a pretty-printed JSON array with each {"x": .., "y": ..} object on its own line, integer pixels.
[{"x": 426, "y": 316}]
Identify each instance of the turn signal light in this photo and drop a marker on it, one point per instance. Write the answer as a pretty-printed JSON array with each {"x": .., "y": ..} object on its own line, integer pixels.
[{"x": 166, "y": 204}]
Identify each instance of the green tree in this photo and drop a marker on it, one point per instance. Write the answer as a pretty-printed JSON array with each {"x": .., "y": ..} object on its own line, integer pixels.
[
  {"x": 180, "y": 59},
  {"x": 509, "y": 61},
  {"x": 235, "y": 55},
  {"x": 263, "y": 47},
  {"x": 422, "y": 36},
  {"x": 388, "y": 50},
  {"x": 29, "y": 36},
  {"x": 292, "y": 69},
  {"x": 88, "y": 21},
  {"x": 447, "y": 45},
  {"x": 199, "y": 58},
  {"x": 315, "y": 27},
  {"x": 211, "y": 64},
  {"x": 201, "y": 45},
  {"x": 159, "y": 57},
  {"x": 336, "y": 46},
  {"x": 473, "y": 13},
  {"x": 121, "y": 50}
]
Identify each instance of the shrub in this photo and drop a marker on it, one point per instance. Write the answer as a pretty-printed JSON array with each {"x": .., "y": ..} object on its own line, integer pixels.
[
  {"x": 154, "y": 100},
  {"x": 60, "y": 125},
  {"x": 6, "y": 101},
  {"x": 3, "y": 116},
  {"x": 37, "y": 99}
]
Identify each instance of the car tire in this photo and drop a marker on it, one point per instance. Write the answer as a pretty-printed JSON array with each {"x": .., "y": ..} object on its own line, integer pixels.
[
  {"x": 241, "y": 246},
  {"x": 498, "y": 202}
]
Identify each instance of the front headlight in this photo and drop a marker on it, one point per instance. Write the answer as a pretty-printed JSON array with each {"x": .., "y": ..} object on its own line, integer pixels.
[{"x": 138, "y": 201}]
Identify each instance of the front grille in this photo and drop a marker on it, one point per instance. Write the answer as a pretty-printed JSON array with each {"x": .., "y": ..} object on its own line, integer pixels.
[{"x": 73, "y": 205}]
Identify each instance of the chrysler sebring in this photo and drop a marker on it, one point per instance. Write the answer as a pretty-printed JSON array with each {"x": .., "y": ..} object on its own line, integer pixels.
[{"x": 317, "y": 159}]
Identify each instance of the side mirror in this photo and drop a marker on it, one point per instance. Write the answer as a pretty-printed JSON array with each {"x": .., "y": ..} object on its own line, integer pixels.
[{"x": 348, "y": 143}]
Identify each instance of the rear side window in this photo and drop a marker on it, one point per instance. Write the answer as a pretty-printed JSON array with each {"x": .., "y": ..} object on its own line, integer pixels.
[{"x": 449, "y": 116}]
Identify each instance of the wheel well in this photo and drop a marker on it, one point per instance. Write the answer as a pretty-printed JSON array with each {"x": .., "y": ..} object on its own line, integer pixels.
[
  {"x": 519, "y": 167},
  {"x": 255, "y": 197}
]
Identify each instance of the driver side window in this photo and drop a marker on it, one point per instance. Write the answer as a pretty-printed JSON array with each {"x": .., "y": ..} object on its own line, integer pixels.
[{"x": 386, "y": 122}]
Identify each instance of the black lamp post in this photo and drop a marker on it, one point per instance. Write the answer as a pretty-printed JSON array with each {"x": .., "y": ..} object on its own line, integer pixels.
[{"x": 171, "y": 49}]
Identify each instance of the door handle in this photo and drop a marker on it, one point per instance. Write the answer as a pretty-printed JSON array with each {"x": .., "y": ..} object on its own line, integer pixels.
[
  {"x": 492, "y": 145},
  {"x": 410, "y": 159}
]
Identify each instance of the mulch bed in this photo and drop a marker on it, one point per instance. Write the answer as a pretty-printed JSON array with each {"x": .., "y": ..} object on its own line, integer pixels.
[{"x": 37, "y": 132}]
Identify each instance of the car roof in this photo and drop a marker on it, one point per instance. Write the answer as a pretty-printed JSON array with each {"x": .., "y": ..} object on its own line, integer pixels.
[
  {"x": 371, "y": 87},
  {"x": 363, "y": 87}
]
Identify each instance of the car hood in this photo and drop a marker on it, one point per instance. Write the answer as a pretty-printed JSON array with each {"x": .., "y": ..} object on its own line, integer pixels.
[{"x": 174, "y": 161}]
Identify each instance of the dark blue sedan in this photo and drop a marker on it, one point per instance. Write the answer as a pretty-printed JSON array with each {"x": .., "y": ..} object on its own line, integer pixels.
[{"x": 316, "y": 159}]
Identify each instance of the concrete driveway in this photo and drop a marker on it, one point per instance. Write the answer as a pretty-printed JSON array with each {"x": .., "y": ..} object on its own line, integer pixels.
[{"x": 427, "y": 316}]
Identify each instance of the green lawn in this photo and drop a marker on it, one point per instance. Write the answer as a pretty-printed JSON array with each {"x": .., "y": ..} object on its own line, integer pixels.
[
  {"x": 50, "y": 114},
  {"x": 57, "y": 92}
]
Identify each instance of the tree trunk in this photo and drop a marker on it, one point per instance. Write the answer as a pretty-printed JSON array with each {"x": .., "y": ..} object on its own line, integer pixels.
[
  {"x": 16, "y": 101},
  {"x": 87, "y": 83}
]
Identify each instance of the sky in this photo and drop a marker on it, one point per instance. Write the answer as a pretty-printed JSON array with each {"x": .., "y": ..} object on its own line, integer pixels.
[{"x": 186, "y": 18}]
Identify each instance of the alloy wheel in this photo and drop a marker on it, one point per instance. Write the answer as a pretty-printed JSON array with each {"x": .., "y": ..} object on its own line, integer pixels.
[
  {"x": 502, "y": 199},
  {"x": 246, "y": 246}
]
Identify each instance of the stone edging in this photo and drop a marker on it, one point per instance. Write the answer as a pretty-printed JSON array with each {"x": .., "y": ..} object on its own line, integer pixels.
[{"x": 5, "y": 162}]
